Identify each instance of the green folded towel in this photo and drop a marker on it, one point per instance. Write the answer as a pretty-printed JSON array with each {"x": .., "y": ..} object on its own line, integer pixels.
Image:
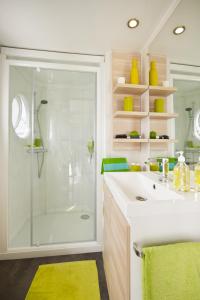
[
  {"x": 172, "y": 272},
  {"x": 116, "y": 164}
]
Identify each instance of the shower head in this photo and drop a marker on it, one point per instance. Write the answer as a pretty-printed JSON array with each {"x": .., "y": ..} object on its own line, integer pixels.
[
  {"x": 43, "y": 101},
  {"x": 188, "y": 109}
]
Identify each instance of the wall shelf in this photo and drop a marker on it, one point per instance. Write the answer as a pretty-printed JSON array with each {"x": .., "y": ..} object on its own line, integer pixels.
[
  {"x": 130, "y": 89},
  {"x": 130, "y": 114},
  {"x": 162, "y": 141},
  {"x": 129, "y": 141},
  {"x": 162, "y": 116},
  {"x": 161, "y": 91}
]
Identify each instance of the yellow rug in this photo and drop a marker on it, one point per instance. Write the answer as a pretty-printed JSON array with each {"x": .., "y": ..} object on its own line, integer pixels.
[{"x": 65, "y": 281}]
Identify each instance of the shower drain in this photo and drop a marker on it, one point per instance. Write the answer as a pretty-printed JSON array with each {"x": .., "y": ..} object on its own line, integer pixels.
[{"x": 85, "y": 217}]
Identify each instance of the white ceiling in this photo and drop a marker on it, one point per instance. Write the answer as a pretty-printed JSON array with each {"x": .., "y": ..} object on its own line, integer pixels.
[
  {"x": 184, "y": 48},
  {"x": 88, "y": 26}
]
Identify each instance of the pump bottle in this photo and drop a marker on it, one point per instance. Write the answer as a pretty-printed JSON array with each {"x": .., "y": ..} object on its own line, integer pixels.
[{"x": 181, "y": 181}]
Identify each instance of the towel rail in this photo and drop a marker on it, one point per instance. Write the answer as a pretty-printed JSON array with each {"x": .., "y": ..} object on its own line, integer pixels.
[{"x": 138, "y": 252}]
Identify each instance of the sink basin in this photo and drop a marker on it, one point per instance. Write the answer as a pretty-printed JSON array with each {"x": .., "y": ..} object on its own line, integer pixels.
[
  {"x": 142, "y": 194},
  {"x": 137, "y": 184}
]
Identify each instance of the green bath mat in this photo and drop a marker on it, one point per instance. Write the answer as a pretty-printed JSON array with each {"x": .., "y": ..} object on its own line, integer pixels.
[{"x": 65, "y": 281}]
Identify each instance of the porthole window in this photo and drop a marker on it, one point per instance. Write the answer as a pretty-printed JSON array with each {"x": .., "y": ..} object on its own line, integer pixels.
[{"x": 20, "y": 116}]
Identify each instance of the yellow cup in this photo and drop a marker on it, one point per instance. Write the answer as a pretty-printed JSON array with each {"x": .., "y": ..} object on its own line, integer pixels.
[
  {"x": 159, "y": 105},
  {"x": 128, "y": 103},
  {"x": 154, "y": 166},
  {"x": 135, "y": 168}
]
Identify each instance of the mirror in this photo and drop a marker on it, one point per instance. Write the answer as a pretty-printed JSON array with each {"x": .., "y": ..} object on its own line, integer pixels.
[
  {"x": 187, "y": 125},
  {"x": 184, "y": 56}
]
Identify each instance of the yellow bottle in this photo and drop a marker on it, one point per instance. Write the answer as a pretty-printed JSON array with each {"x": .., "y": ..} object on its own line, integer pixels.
[
  {"x": 153, "y": 74},
  {"x": 181, "y": 180},
  {"x": 197, "y": 176},
  {"x": 134, "y": 76}
]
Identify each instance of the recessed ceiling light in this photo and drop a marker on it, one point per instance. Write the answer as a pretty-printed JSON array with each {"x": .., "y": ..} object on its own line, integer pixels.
[
  {"x": 133, "y": 23},
  {"x": 179, "y": 29}
]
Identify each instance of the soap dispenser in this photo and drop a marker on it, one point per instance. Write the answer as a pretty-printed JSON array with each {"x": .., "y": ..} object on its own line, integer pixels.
[
  {"x": 181, "y": 181},
  {"x": 197, "y": 176}
]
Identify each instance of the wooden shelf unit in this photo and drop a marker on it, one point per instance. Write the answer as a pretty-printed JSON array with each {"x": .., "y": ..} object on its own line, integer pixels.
[
  {"x": 162, "y": 116},
  {"x": 161, "y": 91},
  {"x": 130, "y": 114},
  {"x": 143, "y": 119},
  {"x": 130, "y": 89},
  {"x": 130, "y": 141},
  {"x": 162, "y": 141}
]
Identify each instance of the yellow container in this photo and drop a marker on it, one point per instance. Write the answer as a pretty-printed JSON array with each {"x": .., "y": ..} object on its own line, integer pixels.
[
  {"x": 153, "y": 74},
  {"x": 128, "y": 103},
  {"x": 154, "y": 166},
  {"x": 134, "y": 76},
  {"x": 135, "y": 168},
  {"x": 159, "y": 105}
]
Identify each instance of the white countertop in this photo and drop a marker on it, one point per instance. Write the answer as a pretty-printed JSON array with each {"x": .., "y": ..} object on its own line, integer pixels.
[{"x": 162, "y": 200}]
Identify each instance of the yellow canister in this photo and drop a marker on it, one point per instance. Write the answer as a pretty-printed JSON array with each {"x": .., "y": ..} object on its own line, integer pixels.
[
  {"x": 159, "y": 105},
  {"x": 128, "y": 103},
  {"x": 135, "y": 167}
]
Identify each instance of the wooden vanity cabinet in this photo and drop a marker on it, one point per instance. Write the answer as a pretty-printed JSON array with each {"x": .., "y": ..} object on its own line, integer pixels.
[{"x": 116, "y": 252}]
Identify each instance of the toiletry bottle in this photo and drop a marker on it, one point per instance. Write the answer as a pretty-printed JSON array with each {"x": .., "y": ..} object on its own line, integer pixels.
[
  {"x": 197, "y": 176},
  {"x": 181, "y": 181},
  {"x": 134, "y": 76},
  {"x": 153, "y": 74}
]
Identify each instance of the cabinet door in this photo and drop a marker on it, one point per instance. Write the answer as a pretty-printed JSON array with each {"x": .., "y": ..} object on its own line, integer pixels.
[{"x": 116, "y": 253}]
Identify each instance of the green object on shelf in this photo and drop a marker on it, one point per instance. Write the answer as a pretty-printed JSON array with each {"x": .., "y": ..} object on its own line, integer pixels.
[
  {"x": 159, "y": 105},
  {"x": 153, "y": 74},
  {"x": 37, "y": 142},
  {"x": 116, "y": 164},
  {"x": 134, "y": 134},
  {"x": 190, "y": 144},
  {"x": 152, "y": 135},
  {"x": 128, "y": 103}
]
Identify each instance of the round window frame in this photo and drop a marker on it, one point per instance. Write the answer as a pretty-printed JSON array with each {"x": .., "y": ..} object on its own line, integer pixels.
[{"x": 22, "y": 104}]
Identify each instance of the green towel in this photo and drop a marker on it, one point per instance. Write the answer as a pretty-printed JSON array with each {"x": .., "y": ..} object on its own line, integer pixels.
[
  {"x": 172, "y": 272},
  {"x": 116, "y": 164}
]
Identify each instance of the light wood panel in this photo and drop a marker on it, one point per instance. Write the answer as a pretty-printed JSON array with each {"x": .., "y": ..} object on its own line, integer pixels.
[
  {"x": 116, "y": 252},
  {"x": 162, "y": 116},
  {"x": 161, "y": 91},
  {"x": 130, "y": 89},
  {"x": 131, "y": 141},
  {"x": 130, "y": 114}
]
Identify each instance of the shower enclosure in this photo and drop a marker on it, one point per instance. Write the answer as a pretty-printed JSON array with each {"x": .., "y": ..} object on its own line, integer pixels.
[{"x": 53, "y": 151}]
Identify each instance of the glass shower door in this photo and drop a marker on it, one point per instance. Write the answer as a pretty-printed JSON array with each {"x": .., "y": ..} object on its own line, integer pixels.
[{"x": 63, "y": 157}]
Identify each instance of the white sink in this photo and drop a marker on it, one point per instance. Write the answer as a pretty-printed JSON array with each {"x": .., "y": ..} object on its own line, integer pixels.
[{"x": 128, "y": 187}]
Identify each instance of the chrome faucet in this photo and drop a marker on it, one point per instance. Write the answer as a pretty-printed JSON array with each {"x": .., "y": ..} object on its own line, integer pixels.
[{"x": 165, "y": 170}]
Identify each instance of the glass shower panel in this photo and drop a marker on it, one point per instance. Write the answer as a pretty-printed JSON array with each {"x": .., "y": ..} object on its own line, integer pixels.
[
  {"x": 21, "y": 85},
  {"x": 63, "y": 178}
]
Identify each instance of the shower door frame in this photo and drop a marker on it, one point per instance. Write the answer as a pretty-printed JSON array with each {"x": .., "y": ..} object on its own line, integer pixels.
[{"x": 54, "y": 61}]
